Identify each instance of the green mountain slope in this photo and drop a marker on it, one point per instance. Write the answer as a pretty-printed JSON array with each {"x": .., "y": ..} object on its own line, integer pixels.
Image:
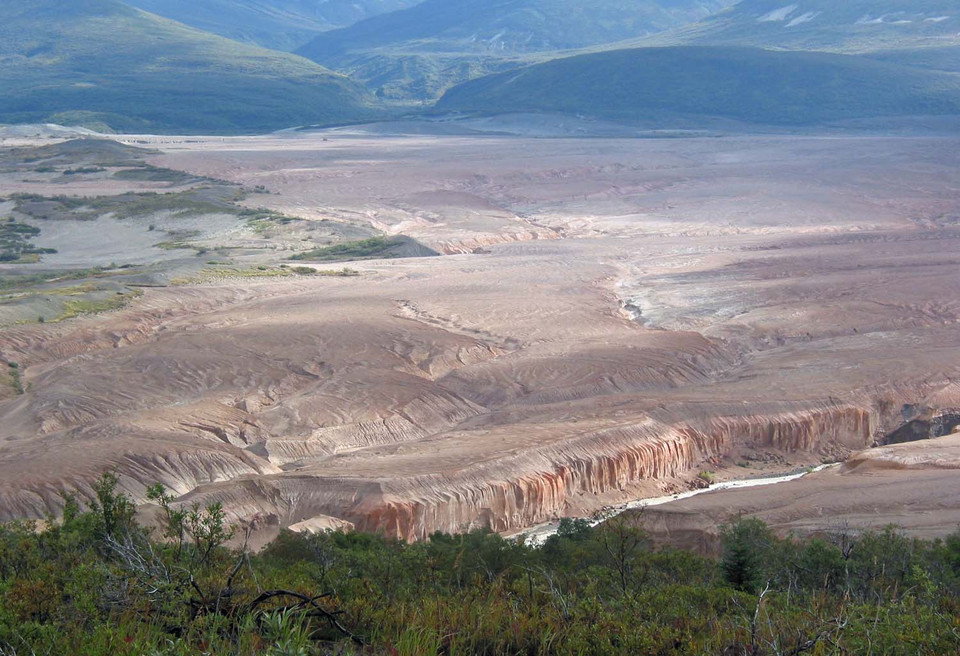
[
  {"x": 101, "y": 63},
  {"x": 832, "y": 25},
  {"x": 742, "y": 84},
  {"x": 277, "y": 24},
  {"x": 417, "y": 52},
  {"x": 939, "y": 59}
]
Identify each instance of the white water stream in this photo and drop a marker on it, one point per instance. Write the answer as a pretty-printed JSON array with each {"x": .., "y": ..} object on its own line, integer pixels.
[{"x": 537, "y": 535}]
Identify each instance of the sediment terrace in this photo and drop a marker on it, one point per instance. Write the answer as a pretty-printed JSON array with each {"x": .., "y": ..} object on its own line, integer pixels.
[
  {"x": 913, "y": 486},
  {"x": 791, "y": 301}
]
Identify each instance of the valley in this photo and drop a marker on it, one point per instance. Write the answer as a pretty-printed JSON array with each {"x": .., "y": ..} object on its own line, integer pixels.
[
  {"x": 573, "y": 323},
  {"x": 479, "y": 327}
]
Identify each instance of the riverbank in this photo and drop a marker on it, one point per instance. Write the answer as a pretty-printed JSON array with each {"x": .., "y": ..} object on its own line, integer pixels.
[{"x": 539, "y": 534}]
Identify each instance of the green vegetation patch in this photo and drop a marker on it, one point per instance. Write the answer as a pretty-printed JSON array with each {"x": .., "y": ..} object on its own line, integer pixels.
[
  {"x": 225, "y": 272},
  {"x": 85, "y": 152},
  {"x": 263, "y": 220},
  {"x": 76, "y": 307},
  {"x": 16, "y": 245},
  {"x": 179, "y": 240},
  {"x": 374, "y": 247},
  {"x": 45, "y": 298},
  {"x": 14, "y": 378},
  {"x": 155, "y": 174},
  {"x": 23, "y": 282},
  {"x": 84, "y": 170},
  {"x": 367, "y": 249},
  {"x": 97, "y": 584},
  {"x": 199, "y": 201}
]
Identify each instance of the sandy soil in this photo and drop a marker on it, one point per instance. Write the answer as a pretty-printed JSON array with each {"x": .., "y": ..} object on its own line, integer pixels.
[
  {"x": 913, "y": 486},
  {"x": 612, "y": 317}
]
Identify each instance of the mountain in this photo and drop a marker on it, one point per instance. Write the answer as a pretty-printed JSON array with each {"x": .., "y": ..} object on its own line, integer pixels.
[
  {"x": 100, "y": 63},
  {"x": 939, "y": 59},
  {"x": 511, "y": 26},
  {"x": 667, "y": 85},
  {"x": 276, "y": 24},
  {"x": 832, "y": 25},
  {"x": 417, "y": 52}
]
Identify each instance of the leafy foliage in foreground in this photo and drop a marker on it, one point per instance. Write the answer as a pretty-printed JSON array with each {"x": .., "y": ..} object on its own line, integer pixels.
[{"x": 97, "y": 584}]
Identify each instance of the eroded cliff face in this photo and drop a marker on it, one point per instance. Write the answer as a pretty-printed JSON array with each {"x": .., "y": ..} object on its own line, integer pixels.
[
  {"x": 605, "y": 465},
  {"x": 537, "y": 483}
]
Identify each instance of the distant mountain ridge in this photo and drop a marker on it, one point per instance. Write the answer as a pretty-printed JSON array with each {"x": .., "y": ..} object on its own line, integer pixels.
[
  {"x": 278, "y": 24},
  {"x": 437, "y": 42},
  {"x": 832, "y": 25},
  {"x": 693, "y": 84},
  {"x": 103, "y": 64},
  {"x": 512, "y": 26}
]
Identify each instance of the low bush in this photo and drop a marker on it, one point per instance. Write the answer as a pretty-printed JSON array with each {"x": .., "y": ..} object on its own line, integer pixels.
[{"x": 95, "y": 583}]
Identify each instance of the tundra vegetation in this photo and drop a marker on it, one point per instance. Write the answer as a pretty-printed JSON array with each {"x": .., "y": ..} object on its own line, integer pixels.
[{"x": 96, "y": 583}]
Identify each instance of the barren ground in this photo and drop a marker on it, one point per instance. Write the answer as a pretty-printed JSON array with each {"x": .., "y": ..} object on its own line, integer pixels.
[{"x": 612, "y": 318}]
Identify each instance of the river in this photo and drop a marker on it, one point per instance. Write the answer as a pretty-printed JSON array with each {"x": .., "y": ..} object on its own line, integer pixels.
[{"x": 537, "y": 535}]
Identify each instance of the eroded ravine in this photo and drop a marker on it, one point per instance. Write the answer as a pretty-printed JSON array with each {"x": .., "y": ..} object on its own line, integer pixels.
[{"x": 505, "y": 388}]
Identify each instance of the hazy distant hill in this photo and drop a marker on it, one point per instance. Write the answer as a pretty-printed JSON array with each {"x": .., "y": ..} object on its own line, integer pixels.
[
  {"x": 420, "y": 50},
  {"x": 833, "y": 25},
  {"x": 742, "y": 84},
  {"x": 278, "y": 24},
  {"x": 102, "y": 63},
  {"x": 941, "y": 59}
]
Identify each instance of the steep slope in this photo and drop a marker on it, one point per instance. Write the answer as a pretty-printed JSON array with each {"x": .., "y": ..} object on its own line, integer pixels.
[
  {"x": 103, "y": 64},
  {"x": 743, "y": 84},
  {"x": 419, "y": 51},
  {"x": 848, "y": 26},
  {"x": 277, "y": 24}
]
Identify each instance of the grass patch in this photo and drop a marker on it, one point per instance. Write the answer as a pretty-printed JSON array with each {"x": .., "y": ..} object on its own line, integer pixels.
[
  {"x": 72, "y": 301},
  {"x": 218, "y": 272},
  {"x": 84, "y": 170},
  {"x": 262, "y": 220},
  {"x": 203, "y": 200},
  {"x": 338, "y": 273},
  {"x": 180, "y": 241},
  {"x": 16, "y": 382},
  {"x": 155, "y": 174},
  {"x": 173, "y": 245},
  {"x": 22, "y": 281},
  {"x": 365, "y": 249},
  {"x": 79, "y": 307},
  {"x": 16, "y": 245}
]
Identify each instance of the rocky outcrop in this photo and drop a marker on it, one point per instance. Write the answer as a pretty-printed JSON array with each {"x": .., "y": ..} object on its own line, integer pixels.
[{"x": 929, "y": 424}]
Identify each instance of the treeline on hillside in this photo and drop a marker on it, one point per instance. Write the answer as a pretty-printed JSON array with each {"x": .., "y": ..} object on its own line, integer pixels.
[{"x": 96, "y": 583}]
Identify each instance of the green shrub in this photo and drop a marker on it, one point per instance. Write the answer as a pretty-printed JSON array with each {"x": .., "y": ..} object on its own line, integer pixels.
[{"x": 95, "y": 583}]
